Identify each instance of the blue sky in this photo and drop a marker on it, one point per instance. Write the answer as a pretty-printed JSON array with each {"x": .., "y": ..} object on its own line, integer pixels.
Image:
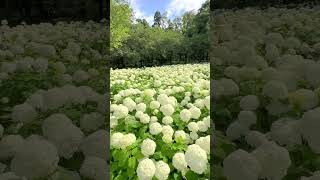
[{"x": 146, "y": 8}]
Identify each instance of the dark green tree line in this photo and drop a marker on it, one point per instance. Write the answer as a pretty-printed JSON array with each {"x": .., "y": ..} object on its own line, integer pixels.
[{"x": 180, "y": 40}]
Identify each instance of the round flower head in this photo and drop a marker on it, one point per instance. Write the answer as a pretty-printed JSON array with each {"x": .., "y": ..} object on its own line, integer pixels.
[
  {"x": 185, "y": 115},
  {"x": 155, "y": 128},
  {"x": 241, "y": 164},
  {"x": 167, "y": 120},
  {"x": 148, "y": 147},
  {"x": 275, "y": 90},
  {"x": 141, "y": 107},
  {"x": 162, "y": 170},
  {"x": 249, "y": 102},
  {"x": 167, "y": 138},
  {"x": 204, "y": 143},
  {"x": 116, "y": 140},
  {"x": 167, "y": 109},
  {"x": 180, "y": 135},
  {"x": 179, "y": 161},
  {"x": 196, "y": 159},
  {"x": 146, "y": 169},
  {"x": 195, "y": 112},
  {"x": 193, "y": 127},
  {"x": 202, "y": 126},
  {"x": 154, "y": 104},
  {"x": 129, "y": 103}
]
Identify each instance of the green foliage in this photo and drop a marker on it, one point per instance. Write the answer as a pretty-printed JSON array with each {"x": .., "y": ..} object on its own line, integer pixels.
[
  {"x": 181, "y": 40},
  {"x": 120, "y": 21}
]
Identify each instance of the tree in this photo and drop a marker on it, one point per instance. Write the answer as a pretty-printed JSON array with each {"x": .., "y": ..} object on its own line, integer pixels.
[
  {"x": 144, "y": 22},
  {"x": 177, "y": 23},
  {"x": 164, "y": 21},
  {"x": 120, "y": 22},
  {"x": 187, "y": 21},
  {"x": 170, "y": 25},
  {"x": 157, "y": 19}
]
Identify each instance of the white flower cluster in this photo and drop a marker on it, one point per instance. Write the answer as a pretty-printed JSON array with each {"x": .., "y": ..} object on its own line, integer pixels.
[
  {"x": 270, "y": 80},
  {"x": 119, "y": 140},
  {"x": 54, "y": 104},
  {"x": 162, "y": 107}
]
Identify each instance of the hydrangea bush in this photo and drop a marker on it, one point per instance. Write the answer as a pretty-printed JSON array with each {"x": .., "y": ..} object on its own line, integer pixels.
[
  {"x": 53, "y": 101},
  {"x": 266, "y": 93},
  {"x": 160, "y": 122}
]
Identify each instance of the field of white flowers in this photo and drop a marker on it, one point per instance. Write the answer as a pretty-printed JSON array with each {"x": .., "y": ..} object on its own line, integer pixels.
[
  {"x": 160, "y": 122},
  {"x": 52, "y": 108},
  {"x": 266, "y": 90}
]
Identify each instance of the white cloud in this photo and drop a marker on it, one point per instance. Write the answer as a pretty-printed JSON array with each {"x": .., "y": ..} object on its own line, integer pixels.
[
  {"x": 178, "y": 7},
  {"x": 138, "y": 13},
  {"x": 174, "y": 8}
]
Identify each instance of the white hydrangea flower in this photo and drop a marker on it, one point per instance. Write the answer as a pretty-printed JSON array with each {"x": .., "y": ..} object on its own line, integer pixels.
[
  {"x": 23, "y": 113},
  {"x": 275, "y": 90},
  {"x": 121, "y": 111},
  {"x": 144, "y": 118},
  {"x": 113, "y": 122},
  {"x": 309, "y": 125},
  {"x": 167, "y": 120},
  {"x": 35, "y": 159},
  {"x": 304, "y": 99},
  {"x": 141, "y": 107},
  {"x": 92, "y": 121},
  {"x": 129, "y": 103},
  {"x": 241, "y": 165},
  {"x": 148, "y": 147},
  {"x": 94, "y": 168},
  {"x": 54, "y": 98},
  {"x": 230, "y": 88},
  {"x": 185, "y": 115},
  {"x": 167, "y": 138},
  {"x": 155, "y": 128},
  {"x": 207, "y": 121},
  {"x": 167, "y": 109},
  {"x": 204, "y": 143},
  {"x": 255, "y": 138},
  {"x": 95, "y": 144},
  {"x": 149, "y": 92},
  {"x": 247, "y": 118},
  {"x": 285, "y": 131},
  {"x": 80, "y": 76},
  {"x": 193, "y": 127},
  {"x": 116, "y": 140},
  {"x": 9, "y": 145},
  {"x": 202, "y": 126},
  {"x": 194, "y": 135},
  {"x": 153, "y": 119},
  {"x": 249, "y": 102},
  {"x": 60, "y": 130},
  {"x": 162, "y": 170},
  {"x": 195, "y": 112},
  {"x": 196, "y": 158},
  {"x": 179, "y": 161},
  {"x": 154, "y": 104},
  {"x": 146, "y": 169},
  {"x": 274, "y": 160},
  {"x": 180, "y": 135},
  {"x": 236, "y": 130}
]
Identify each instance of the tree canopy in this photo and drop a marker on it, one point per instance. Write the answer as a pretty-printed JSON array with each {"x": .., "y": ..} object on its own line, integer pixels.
[
  {"x": 120, "y": 21},
  {"x": 165, "y": 41}
]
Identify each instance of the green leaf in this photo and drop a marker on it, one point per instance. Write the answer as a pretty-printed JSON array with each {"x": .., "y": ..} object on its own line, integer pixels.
[
  {"x": 132, "y": 163},
  {"x": 192, "y": 175}
]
